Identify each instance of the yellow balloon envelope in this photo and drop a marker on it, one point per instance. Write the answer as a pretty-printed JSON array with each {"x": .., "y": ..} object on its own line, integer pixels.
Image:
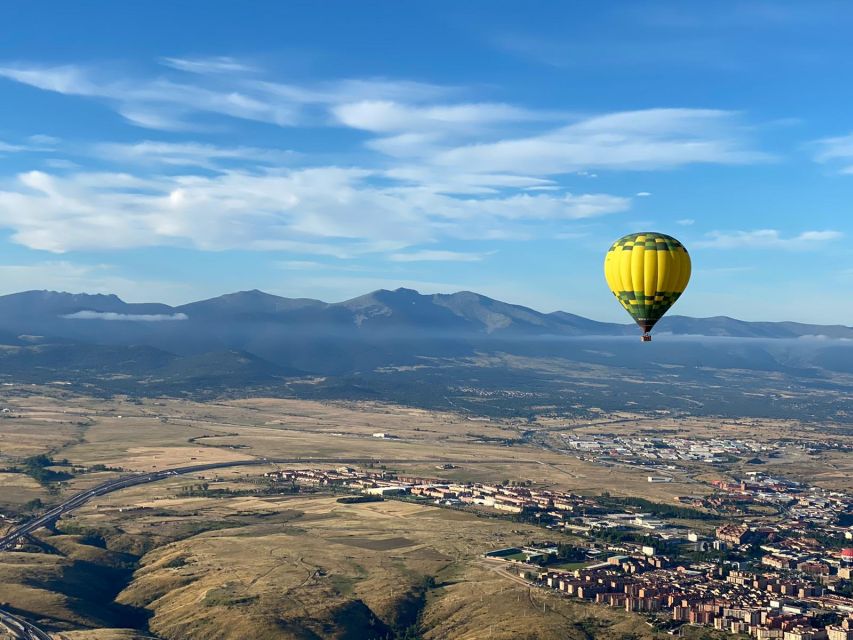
[{"x": 647, "y": 272}]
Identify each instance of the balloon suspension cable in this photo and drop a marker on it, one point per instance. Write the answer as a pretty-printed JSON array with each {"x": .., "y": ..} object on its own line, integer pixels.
[{"x": 647, "y": 337}]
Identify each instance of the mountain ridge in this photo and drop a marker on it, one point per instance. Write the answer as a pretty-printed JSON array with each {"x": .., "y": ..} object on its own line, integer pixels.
[
  {"x": 383, "y": 309},
  {"x": 436, "y": 350}
]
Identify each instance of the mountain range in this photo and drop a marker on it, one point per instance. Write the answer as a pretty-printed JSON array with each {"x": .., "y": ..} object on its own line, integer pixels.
[
  {"x": 251, "y": 336},
  {"x": 108, "y": 318}
]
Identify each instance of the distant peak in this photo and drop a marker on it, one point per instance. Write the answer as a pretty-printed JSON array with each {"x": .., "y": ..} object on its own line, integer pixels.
[
  {"x": 47, "y": 293},
  {"x": 467, "y": 295},
  {"x": 250, "y": 292}
]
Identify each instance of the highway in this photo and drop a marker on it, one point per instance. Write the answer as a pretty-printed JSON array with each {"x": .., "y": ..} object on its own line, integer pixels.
[
  {"x": 78, "y": 500},
  {"x": 21, "y": 629}
]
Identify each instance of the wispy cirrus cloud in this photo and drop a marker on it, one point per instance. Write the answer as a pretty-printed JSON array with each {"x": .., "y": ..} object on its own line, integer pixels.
[
  {"x": 430, "y": 164},
  {"x": 6, "y": 147},
  {"x": 633, "y": 140},
  {"x": 384, "y": 116},
  {"x": 43, "y": 140},
  {"x": 300, "y": 210},
  {"x": 126, "y": 317},
  {"x": 838, "y": 151},
  {"x": 190, "y": 154},
  {"x": 412, "y": 119},
  {"x": 767, "y": 238},
  {"x": 216, "y": 86},
  {"x": 431, "y": 255},
  {"x": 36, "y": 142},
  {"x": 208, "y": 65},
  {"x": 156, "y": 103}
]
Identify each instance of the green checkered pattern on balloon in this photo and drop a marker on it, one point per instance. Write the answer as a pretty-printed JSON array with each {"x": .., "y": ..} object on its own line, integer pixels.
[
  {"x": 644, "y": 307},
  {"x": 651, "y": 241}
]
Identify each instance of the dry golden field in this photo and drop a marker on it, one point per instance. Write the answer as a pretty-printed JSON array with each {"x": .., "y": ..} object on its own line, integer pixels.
[
  {"x": 158, "y": 434},
  {"x": 305, "y": 566},
  {"x": 299, "y": 567}
]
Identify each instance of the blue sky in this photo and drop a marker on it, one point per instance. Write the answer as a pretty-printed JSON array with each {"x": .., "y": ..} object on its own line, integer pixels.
[{"x": 174, "y": 151}]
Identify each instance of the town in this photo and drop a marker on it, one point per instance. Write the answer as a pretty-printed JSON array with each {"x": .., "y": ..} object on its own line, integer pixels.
[
  {"x": 785, "y": 574},
  {"x": 664, "y": 452}
]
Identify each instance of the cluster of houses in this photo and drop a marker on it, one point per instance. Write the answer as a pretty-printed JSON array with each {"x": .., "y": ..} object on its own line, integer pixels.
[
  {"x": 739, "y": 602},
  {"x": 647, "y": 450},
  {"x": 508, "y": 498}
]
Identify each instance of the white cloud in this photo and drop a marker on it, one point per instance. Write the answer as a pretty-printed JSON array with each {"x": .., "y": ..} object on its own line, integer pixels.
[
  {"x": 543, "y": 207},
  {"x": 151, "y": 116},
  {"x": 355, "y": 90},
  {"x": 436, "y": 256},
  {"x": 157, "y": 103},
  {"x": 325, "y": 211},
  {"x": 685, "y": 222},
  {"x": 38, "y": 143},
  {"x": 435, "y": 165},
  {"x": 767, "y": 238},
  {"x": 44, "y": 140},
  {"x": 837, "y": 150},
  {"x": 469, "y": 147},
  {"x": 67, "y": 79},
  {"x": 127, "y": 317},
  {"x": 643, "y": 194},
  {"x": 382, "y": 116},
  {"x": 220, "y": 86},
  {"x": 215, "y": 64},
  {"x": 189, "y": 154},
  {"x": 6, "y": 147},
  {"x": 60, "y": 163},
  {"x": 635, "y": 140},
  {"x": 300, "y": 265},
  {"x": 413, "y": 120},
  {"x": 462, "y": 182}
]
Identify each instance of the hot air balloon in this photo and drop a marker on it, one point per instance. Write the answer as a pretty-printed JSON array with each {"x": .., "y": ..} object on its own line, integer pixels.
[{"x": 647, "y": 272}]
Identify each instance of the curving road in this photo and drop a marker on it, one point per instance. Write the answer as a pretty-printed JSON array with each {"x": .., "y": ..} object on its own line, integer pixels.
[
  {"x": 78, "y": 500},
  {"x": 21, "y": 629}
]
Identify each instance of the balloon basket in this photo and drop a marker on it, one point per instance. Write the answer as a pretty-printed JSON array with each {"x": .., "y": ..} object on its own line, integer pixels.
[{"x": 646, "y": 337}]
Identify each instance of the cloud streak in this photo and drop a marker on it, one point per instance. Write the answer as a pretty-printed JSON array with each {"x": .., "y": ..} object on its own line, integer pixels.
[
  {"x": 432, "y": 165},
  {"x": 413, "y": 120},
  {"x": 126, "y": 317},
  {"x": 215, "y": 86},
  {"x": 767, "y": 239},
  {"x": 324, "y": 211},
  {"x": 428, "y": 255},
  {"x": 190, "y": 154},
  {"x": 838, "y": 151},
  {"x": 634, "y": 140}
]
